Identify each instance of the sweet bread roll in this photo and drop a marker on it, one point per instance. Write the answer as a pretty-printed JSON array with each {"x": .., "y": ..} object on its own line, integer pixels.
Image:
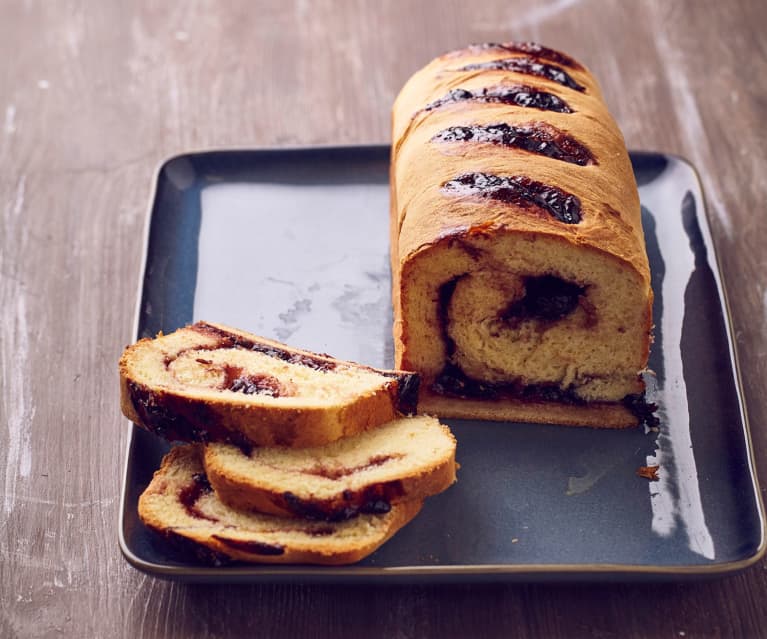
[
  {"x": 521, "y": 284},
  {"x": 212, "y": 383}
]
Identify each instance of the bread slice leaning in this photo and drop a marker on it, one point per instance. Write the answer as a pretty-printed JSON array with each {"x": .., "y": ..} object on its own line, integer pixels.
[
  {"x": 180, "y": 505},
  {"x": 211, "y": 383},
  {"x": 407, "y": 459}
]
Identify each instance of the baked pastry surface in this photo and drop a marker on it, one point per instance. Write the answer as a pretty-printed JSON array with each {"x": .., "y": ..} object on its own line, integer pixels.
[
  {"x": 208, "y": 382},
  {"x": 407, "y": 459},
  {"x": 521, "y": 284}
]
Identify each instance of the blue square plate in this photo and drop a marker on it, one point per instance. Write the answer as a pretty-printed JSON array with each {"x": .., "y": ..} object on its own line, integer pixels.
[{"x": 293, "y": 245}]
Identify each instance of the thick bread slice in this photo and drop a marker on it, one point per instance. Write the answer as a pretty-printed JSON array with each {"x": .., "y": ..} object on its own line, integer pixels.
[
  {"x": 212, "y": 383},
  {"x": 409, "y": 458},
  {"x": 180, "y": 504}
]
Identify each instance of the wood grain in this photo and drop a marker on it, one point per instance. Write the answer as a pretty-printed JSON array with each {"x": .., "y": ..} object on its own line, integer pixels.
[{"x": 93, "y": 95}]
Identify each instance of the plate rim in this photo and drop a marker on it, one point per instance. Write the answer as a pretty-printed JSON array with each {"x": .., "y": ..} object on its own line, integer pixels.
[{"x": 262, "y": 573}]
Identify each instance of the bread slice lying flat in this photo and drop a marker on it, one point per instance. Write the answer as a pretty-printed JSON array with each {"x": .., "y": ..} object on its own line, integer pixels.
[
  {"x": 180, "y": 504},
  {"x": 407, "y": 459},
  {"x": 211, "y": 383}
]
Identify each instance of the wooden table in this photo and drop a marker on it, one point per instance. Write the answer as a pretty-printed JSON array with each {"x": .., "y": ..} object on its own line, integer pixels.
[{"x": 94, "y": 95}]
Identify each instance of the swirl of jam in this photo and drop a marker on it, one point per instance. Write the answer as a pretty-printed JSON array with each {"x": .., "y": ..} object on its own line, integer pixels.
[
  {"x": 528, "y": 66},
  {"x": 519, "y": 190},
  {"x": 535, "y": 137},
  {"x": 518, "y": 94}
]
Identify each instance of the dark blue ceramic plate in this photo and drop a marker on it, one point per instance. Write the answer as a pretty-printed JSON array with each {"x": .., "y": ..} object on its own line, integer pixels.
[{"x": 293, "y": 245}]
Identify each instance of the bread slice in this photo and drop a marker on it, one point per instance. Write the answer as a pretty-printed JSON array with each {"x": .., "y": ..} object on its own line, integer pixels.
[
  {"x": 180, "y": 504},
  {"x": 406, "y": 459},
  {"x": 211, "y": 383}
]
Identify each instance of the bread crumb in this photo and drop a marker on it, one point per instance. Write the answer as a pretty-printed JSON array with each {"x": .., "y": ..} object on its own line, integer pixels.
[{"x": 648, "y": 472}]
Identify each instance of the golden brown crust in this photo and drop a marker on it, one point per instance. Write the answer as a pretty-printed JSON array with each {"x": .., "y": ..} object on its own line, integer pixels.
[{"x": 425, "y": 222}]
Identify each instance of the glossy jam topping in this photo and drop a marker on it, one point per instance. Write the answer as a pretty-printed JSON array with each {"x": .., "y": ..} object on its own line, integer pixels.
[
  {"x": 519, "y": 95},
  {"x": 531, "y": 48},
  {"x": 547, "y": 298},
  {"x": 535, "y": 137},
  {"x": 529, "y": 66},
  {"x": 520, "y": 191}
]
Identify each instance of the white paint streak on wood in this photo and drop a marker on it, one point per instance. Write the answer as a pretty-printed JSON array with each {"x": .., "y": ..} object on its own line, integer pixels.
[
  {"x": 14, "y": 355},
  {"x": 691, "y": 124},
  {"x": 9, "y": 125},
  {"x": 87, "y": 503},
  {"x": 532, "y": 17}
]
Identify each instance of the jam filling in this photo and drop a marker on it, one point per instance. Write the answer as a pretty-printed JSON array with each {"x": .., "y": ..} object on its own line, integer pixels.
[
  {"x": 531, "y": 48},
  {"x": 238, "y": 381},
  {"x": 546, "y": 298},
  {"x": 230, "y": 340},
  {"x": 407, "y": 383},
  {"x": 529, "y": 66},
  {"x": 452, "y": 381},
  {"x": 518, "y": 190},
  {"x": 373, "y": 500},
  {"x": 538, "y": 138},
  {"x": 189, "y": 495},
  {"x": 337, "y": 473},
  {"x": 253, "y": 547},
  {"x": 180, "y": 419},
  {"x": 519, "y": 95}
]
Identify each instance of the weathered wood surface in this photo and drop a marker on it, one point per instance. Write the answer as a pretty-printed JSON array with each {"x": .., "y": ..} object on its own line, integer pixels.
[{"x": 94, "y": 94}]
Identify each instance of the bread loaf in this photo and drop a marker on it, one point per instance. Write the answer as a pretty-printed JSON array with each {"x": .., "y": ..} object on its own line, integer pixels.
[
  {"x": 209, "y": 382},
  {"x": 180, "y": 505},
  {"x": 407, "y": 459},
  {"x": 521, "y": 284}
]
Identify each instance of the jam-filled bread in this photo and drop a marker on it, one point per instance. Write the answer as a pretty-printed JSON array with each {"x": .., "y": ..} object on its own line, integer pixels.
[
  {"x": 180, "y": 505},
  {"x": 521, "y": 283},
  {"x": 212, "y": 383},
  {"x": 407, "y": 459}
]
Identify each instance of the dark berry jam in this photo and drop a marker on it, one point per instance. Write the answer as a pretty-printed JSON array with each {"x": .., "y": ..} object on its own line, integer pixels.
[
  {"x": 406, "y": 388},
  {"x": 181, "y": 419},
  {"x": 189, "y": 495},
  {"x": 452, "y": 381},
  {"x": 531, "y": 48},
  {"x": 230, "y": 340},
  {"x": 527, "y": 66},
  {"x": 547, "y": 298},
  {"x": 238, "y": 381},
  {"x": 519, "y": 95},
  {"x": 642, "y": 409},
  {"x": 535, "y": 137},
  {"x": 518, "y": 190},
  {"x": 252, "y": 547}
]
